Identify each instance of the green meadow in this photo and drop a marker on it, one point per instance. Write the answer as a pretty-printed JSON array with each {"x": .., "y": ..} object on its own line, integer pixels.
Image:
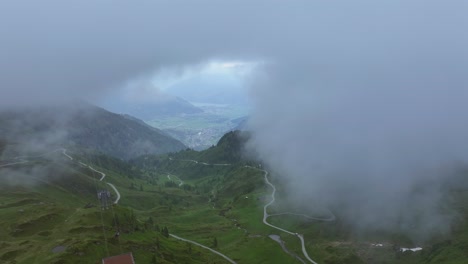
[{"x": 50, "y": 213}]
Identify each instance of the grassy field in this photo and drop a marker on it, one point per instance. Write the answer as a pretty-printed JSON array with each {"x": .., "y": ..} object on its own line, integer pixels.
[
  {"x": 55, "y": 217},
  {"x": 58, "y": 212}
]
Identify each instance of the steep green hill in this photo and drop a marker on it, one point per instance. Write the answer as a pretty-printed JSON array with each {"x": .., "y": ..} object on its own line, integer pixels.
[{"x": 229, "y": 149}]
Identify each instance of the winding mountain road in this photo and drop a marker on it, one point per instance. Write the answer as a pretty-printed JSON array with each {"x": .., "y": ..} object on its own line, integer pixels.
[
  {"x": 64, "y": 152},
  {"x": 103, "y": 175},
  {"x": 24, "y": 160},
  {"x": 203, "y": 163},
  {"x": 265, "y": 213},
  {"x": 205, "y": 247},
  {"x": 181, "y": 182},
  {"x": 14, "y": 163},
  {"x": 116, "y": 192}
]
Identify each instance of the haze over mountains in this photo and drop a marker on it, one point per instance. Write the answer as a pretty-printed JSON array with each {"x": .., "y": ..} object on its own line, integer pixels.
[
  {"x": 213, "y": 89},
  {"x": 357, "y": 106},
  {"x": 197, "y": 125},
  {"x": 164, "y": 105},
  {"x": 84, "y": 125}
]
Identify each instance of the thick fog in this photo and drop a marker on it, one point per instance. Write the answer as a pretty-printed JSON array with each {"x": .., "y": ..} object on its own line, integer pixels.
[
  {"x": 360, "y": 105},
  {"x": 375, "y": 147}
]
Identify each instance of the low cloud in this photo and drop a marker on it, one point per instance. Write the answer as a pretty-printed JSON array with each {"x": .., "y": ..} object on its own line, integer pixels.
[
  {"x": 360, "y": 105},
  {"x": 376, "y": 144}
]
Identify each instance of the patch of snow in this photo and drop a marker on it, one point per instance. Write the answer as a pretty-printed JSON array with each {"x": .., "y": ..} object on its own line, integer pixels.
[{"x": 412, "y": 249}]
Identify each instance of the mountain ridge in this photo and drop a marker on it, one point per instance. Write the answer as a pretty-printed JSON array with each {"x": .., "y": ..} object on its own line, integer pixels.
[
  {"x": 147, "y": 110},
  {"x": 85, "y": 125}
]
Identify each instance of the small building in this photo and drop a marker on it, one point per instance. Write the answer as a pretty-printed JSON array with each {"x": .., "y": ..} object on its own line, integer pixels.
[{"x": 126, "y": 258}]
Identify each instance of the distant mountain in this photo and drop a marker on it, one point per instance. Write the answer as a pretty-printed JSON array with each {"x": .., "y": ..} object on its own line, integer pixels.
[
  {"x": 87, "y": 126},
  {"x": 166, "y": 105},
  {"x": 213, "y": 89}
]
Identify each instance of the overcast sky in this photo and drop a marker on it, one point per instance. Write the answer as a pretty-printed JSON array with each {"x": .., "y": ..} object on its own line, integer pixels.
[
  {"x": 371, "y": 94},
  {"x": 54, "y": 49}
]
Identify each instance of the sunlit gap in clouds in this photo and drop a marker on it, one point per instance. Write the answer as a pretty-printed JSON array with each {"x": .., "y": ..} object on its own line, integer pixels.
[
  {"x": 212, "y": 82},
  {"x": 234, "y": 71}
]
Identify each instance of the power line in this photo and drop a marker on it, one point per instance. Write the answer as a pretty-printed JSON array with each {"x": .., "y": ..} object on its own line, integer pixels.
[
  {"x": 113, "y": 214},
  {"x": 100, "y": 211}
]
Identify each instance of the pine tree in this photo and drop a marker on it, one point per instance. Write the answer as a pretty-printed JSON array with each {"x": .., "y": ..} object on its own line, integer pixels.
[
  {"x": 116, "y": 220},
  {"x": 215, "y": 242},
  {"x": 165, "y": 232},
  {"x": 132, "y": 220},
  {"x": 189, "y": 247}
]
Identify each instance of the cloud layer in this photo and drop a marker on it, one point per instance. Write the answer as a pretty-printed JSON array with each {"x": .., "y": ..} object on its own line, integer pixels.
[{"x": 357, "y": 104}]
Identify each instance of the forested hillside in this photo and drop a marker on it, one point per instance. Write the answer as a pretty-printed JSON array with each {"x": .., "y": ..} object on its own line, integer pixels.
[{"x": 86, "y": 126}]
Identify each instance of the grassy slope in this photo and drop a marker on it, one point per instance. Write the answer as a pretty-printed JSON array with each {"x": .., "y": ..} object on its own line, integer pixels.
[
  {"x": 51, "y": 212},
  {"x": 222, "y": 202}
]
